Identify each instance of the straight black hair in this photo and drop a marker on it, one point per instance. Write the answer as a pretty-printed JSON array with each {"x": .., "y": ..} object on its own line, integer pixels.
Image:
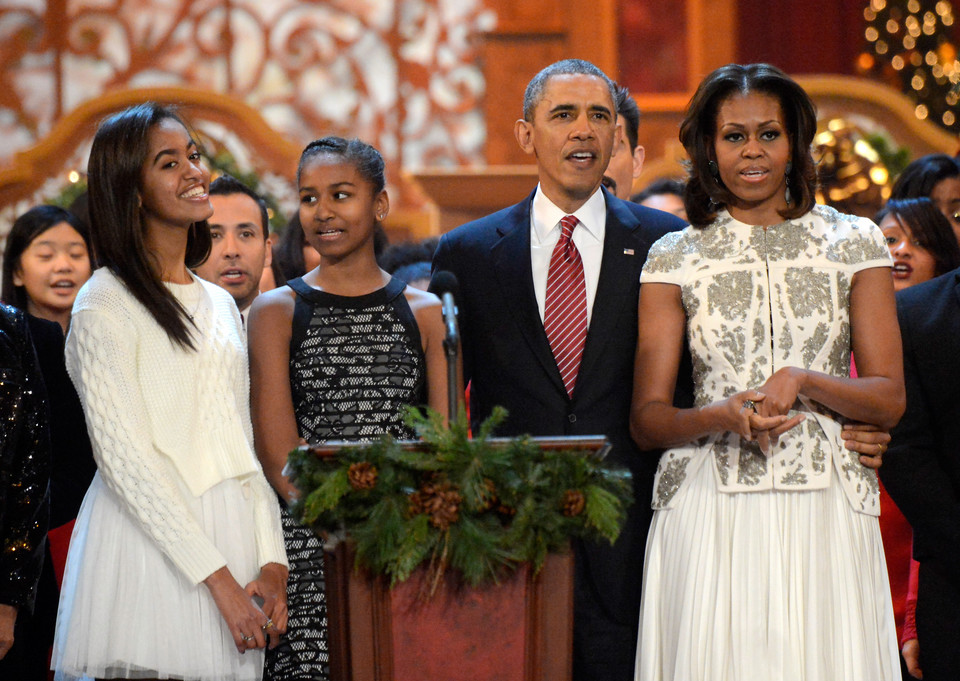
[{"x": 116, "y": 229}]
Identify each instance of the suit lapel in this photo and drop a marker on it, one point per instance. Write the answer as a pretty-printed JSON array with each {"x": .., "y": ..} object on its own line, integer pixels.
[
  {"x": 618, "y": 272},
  {"x": 511, "y": 261}
]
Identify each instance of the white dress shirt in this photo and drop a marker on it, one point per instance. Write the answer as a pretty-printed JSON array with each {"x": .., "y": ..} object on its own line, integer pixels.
[{"x": 587, "y": 237}]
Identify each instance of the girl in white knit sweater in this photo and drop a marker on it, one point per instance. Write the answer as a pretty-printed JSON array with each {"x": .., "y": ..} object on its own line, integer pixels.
[{"x": 179, "y": 516}]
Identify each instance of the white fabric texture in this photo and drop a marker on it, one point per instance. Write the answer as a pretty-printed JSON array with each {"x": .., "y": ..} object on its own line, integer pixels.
[
  {"x": 170, "y": 428},
  {"x": 757, "y": 586},
  {"x": 135, "y": 616}
]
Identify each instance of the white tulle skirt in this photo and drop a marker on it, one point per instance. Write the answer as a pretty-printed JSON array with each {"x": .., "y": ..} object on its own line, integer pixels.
[
  {"x": 769, "y": 585},
  {"x": 127, "y": 612}
]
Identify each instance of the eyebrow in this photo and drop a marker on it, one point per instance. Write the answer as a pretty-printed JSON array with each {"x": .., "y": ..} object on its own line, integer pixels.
[
  {"x": 571, "y": 107},
  {"x": 173, "y": 152},
  {"x": 335, "y": 184},
  {"x": 736, "y": 124}
]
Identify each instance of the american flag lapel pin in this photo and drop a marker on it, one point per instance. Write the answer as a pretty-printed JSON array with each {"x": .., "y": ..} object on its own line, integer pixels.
[{"x": 628, "y": 251}]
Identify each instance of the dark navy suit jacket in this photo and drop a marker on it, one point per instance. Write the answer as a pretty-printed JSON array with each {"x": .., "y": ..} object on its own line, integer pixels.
[{"x": 507, "y": 359}]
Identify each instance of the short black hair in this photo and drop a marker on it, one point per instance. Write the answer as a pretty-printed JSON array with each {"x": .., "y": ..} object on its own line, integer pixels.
[
  {"x": 929, "y": 227},
  {"x": 225, "y": 185},
  {"x": 365, "y": 157},
  {"x": 564, "y": 67},
  {"x": 922, "y": 175},
  {"x": 665, "y": 185},
  {"x": 25, "y": 229},
  {"x": 628, "y": 109}
]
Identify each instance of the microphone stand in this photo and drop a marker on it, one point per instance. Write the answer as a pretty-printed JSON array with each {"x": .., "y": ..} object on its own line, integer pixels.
[{"x": 451, "y": 342}]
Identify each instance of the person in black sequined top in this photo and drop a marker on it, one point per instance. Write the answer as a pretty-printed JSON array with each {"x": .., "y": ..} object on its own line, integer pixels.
[{"x": 24, "y": 474}]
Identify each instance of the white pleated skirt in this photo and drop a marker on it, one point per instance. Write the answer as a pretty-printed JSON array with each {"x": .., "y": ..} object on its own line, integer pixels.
[
  {"x": 766, "y": 585},
  {"x": 127, "y": 612}
]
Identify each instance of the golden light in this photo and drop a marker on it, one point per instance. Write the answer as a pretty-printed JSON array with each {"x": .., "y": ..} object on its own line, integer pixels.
[
  {"x": 892, "y": 26},
  {"x": 897, "y": 63},
  {"x": 871, "y": 33},
  {"x": 949, "y": 118},
  {"x": 879, "y": 175},
  {"x": 878, "y": 5},
  {"x": 73, "y": 176},
  {"x": 909, "y": 42},
  {"x": 921, "y": 112},
  {"x": 917, "y": 82},
  {"x": 865, "y": 61},
  {"x": 913, "y": 6}
]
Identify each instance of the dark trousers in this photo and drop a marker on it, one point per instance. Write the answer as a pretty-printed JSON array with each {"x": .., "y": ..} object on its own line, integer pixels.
[
  {"x": 603, "y": 649},
  {"x": 938, "y": 622}
]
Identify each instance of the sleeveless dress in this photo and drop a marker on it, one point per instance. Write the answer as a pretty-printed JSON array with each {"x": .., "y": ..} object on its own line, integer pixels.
[
  {"x": 766, "y": 567},
  {"x": 354, "y": 363}
]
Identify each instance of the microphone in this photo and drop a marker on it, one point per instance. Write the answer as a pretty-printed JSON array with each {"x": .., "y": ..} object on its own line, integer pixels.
[{"x": 445, "y": 285}]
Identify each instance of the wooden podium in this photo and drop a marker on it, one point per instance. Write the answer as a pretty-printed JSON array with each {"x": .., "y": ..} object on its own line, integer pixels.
[{"x": 518, "y": 630}]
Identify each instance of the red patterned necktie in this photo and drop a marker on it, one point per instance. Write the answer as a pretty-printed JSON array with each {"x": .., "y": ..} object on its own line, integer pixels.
[{"x": 565, "y": 311}]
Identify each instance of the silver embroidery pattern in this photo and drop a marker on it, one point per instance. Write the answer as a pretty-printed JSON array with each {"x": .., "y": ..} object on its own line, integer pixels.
[
  {"x": 671, "y": 472},
  {"x": 758, "y": 300}
]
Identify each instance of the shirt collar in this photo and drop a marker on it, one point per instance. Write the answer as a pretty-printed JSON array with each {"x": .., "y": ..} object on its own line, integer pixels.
[{"x": 546, "y": 215}]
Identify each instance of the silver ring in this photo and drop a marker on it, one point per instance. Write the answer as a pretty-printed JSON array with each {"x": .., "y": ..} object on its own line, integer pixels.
[
  {"x": 749, "y": 404},
  {"x": 247, "y": 639},
  {"x": 267, "y": 625}
]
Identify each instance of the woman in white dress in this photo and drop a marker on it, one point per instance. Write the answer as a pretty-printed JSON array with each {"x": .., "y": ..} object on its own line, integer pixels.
[
  {"x": 176, "y": 567},
  {"x": 764, "y": 558}
]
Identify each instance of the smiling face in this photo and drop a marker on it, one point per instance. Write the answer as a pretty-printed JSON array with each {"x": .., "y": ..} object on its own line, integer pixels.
[
  {"x": 752, "y": 148},
  {"x": 338, "y": 208},
  {"x": 239, "y": 250},
  {"x": 52, "y": 269},
  {"x": 946, "y": 194},
  {"x": 571, "y": 134},
  {"x": 912, "y": 263},
  {"x": 173, "y": 179}
]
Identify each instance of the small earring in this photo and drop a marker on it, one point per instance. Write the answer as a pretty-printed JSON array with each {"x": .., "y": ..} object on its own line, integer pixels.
[
  {"x": 786, "y": 181},
  {"x": 714, "y": 170}
]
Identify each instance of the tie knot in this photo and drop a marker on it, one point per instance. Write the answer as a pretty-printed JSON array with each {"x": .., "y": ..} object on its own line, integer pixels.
[{"x": 567, "y": 223}]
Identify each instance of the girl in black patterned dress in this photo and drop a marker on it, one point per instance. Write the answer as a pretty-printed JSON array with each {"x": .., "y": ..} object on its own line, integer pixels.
[{"x": 335, "y": 355}]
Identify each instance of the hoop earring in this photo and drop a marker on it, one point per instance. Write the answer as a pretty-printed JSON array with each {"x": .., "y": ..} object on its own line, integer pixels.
[
  {"x": 714, "y": 170},
  {"x": 786, "y": 181}
]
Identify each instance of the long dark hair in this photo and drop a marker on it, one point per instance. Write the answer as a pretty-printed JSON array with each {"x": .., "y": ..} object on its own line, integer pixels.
[
  {"x": 25, "y": 229},
  {"x": 116, "y": 159},
  {"x": 929, "y": 228},
  {"x": 704, "y": 193}
]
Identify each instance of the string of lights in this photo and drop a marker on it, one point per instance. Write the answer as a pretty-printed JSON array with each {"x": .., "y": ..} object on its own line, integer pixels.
[{"x": 909, "y": 45}]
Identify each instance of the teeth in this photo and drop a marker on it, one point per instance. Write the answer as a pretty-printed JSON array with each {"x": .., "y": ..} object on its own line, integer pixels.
[
  {"x": 581, "y": 155},
  {"x": 232, "y": 275},
  {"x": 194, "y": 193}
]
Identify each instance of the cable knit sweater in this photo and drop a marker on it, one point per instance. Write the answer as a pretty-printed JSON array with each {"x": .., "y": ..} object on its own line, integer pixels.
[{"x": 155, "y": 411}]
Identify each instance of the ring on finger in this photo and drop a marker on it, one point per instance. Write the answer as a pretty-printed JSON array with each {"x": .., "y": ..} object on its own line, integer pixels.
[
  {"x": 881, "y": 448},
  {"x": 246, "y": 639},
  {"x": 749, "y": 404},
  {"x": 267, "y": 625}
]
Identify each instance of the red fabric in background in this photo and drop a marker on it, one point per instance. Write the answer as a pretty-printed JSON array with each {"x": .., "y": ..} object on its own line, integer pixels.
[{"x": 59, "y": 540}]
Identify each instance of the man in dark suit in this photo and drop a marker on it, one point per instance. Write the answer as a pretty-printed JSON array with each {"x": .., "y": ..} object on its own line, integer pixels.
[
  {"x": 921, "y": 470},
  {"x": 503, "y": 263}
]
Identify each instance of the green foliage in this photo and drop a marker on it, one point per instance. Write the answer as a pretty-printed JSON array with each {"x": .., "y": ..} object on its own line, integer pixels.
[{"x": 475, "y": 506}]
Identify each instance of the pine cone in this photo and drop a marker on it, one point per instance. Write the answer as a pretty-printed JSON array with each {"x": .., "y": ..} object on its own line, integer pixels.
[
  {"x": 441, "y": 501},
  {"x": 572, "y": 503},
  {"x": 362, "y": 475}
]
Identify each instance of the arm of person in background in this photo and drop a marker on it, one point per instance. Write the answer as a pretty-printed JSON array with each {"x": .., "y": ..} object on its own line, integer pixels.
[
  {"x": 654, "y": 422},
  {"x": 269, "y": 329},
  {"x": 25, "y": 456},
  {"x": 909, "y": 643}
]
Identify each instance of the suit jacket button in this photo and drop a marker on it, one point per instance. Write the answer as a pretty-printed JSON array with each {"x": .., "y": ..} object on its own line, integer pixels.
[{"x": 572, "y": 418}]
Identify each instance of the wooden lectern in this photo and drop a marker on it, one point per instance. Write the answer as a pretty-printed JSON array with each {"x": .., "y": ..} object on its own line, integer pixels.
[{"x": 518, "y": 630}]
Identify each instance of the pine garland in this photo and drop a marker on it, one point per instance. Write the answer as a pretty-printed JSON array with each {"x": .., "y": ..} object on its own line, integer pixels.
[{"x": 457, "y": 503}]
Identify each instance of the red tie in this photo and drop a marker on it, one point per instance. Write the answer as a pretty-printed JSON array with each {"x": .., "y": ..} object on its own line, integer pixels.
[{"x": 565, "y": 311}]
